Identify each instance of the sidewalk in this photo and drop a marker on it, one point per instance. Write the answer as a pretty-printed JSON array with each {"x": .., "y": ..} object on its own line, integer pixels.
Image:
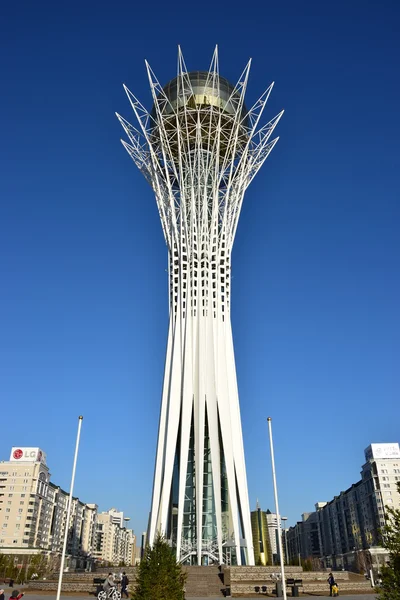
[{"x": 30, "y": 596}]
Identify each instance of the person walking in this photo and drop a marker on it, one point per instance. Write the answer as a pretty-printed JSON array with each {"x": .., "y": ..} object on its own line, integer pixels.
[
  {"x": 1, "y": 594},
  {"x": 124, "y": 585},
  {"x": 331, "y": 581}
]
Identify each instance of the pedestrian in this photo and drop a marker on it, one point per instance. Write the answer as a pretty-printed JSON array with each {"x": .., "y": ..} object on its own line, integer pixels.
[
  {"x": 335, "y": 589},
  {"x": 1, "y": 594},
  {"x": 11, "y": 584},
  {"x": 124, "y": 585},
  {"x": 16, "y": 595},
  {"x": 331, "y": 581}
]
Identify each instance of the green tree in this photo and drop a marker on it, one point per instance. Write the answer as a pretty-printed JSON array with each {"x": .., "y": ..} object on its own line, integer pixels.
[
  {"x": 390, "y": 588},
  {"x": 159, "y": 576}
]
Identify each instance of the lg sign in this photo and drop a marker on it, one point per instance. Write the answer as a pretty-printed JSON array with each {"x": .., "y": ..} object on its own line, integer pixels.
[{"x": 28, "y": 455}]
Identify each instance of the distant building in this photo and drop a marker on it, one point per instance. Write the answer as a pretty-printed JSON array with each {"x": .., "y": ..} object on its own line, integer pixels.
[
  {"x": 33, "y": 517},
  {"x": 302, "y": 541},
  {"x": 143, "y": 544},
  {"x": 261, "y": 541},
  {"x": 264, "y": 526},
  {"x": 26, "y": 507},
  {"x": 273, "y": 535},
  {"x": 339, "y": 530},
  {"x": 33, "y": 511},
  {"x": 115, "y": 543}
]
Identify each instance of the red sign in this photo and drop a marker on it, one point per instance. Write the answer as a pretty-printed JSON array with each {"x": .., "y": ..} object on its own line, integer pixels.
[{"x": 17, "y": 454}]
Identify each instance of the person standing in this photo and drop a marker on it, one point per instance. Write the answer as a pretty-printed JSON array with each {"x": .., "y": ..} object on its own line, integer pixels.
[
  {"x": 331, "y": 581},
  {"x": 124, "y": 585}
]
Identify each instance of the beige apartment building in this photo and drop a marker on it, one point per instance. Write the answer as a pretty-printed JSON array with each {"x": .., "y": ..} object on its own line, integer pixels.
[
  {"x": 33, "y": 517},
  {"x": 25, "y": 506},
  {"x": 342, "y": 530},
  {"x": 115, "y": 543},
  {"x": 33, "y": 511}
]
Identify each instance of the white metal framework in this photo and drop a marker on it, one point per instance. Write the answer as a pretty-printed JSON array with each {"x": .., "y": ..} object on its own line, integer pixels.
[{"x": 199, "y": 149}]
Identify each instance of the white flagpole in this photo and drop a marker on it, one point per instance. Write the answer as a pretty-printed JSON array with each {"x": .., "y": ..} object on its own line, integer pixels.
[
  {"x": 71, "y": 489},
  {"x": 278, "y": 516}
]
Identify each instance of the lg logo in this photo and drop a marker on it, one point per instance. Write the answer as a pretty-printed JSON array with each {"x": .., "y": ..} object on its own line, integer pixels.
[{"x": 28, "y": 454}]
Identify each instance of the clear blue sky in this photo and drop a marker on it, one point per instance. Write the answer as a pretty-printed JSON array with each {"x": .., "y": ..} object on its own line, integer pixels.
[{"x": 83, "y": 306}]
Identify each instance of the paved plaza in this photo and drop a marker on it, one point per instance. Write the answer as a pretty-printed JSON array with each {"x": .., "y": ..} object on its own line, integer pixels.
[{"x": 40, "y": 596}]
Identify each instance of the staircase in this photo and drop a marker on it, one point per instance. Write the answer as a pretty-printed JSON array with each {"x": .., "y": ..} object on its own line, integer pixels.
[{"x": 203, "y": 582}]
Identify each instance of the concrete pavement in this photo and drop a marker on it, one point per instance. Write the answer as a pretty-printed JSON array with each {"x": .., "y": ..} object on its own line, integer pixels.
[{"x": 30, "y": 596}]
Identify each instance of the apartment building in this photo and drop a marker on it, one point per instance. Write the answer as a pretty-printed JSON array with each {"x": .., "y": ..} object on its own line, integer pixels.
[
  {"x": 88, "y": 543},
  {"x": 114, "y": 542},
  {"x": 25, "y": 507},
  {"x": 350, "y": 523},
  {"x": 33, "y": 510},
  {"x": 33, "y": 517},
  {"x": 302, "y": 541}
]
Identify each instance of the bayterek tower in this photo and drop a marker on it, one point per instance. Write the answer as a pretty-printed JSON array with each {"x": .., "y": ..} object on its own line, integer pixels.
[{"x": 199, "y": 148}]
